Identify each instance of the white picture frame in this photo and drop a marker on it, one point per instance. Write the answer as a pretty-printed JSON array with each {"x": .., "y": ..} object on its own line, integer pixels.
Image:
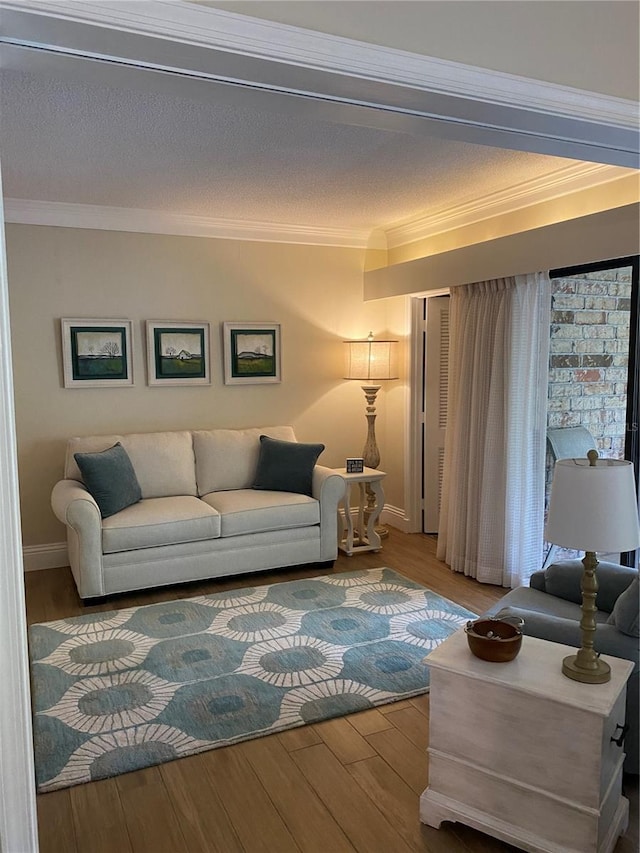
[
  {"x": 178, "y": 352},
  {"x": 252, "y": 353},
  {"x": 96, "y": 353}
]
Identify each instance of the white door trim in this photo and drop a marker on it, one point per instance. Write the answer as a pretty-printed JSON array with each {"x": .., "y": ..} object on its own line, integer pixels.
[{"x": 18, "y": 820}]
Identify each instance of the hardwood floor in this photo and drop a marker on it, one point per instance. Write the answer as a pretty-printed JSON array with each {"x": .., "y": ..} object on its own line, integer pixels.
[{"x": 349, "y": 784}]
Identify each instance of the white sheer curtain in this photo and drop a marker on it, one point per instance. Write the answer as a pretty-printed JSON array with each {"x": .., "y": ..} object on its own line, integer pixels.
[{"x": 492, "y": 507}]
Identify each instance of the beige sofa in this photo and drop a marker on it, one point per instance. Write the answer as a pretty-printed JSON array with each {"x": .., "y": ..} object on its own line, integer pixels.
[{"x": 199, "y": 516}]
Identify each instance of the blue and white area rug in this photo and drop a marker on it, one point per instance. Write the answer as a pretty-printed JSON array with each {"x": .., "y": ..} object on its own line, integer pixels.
[{"x": 121, "y": 690}]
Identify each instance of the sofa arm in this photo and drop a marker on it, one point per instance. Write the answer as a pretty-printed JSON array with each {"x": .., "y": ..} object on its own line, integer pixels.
[
  {"x": 557, "y": 629},
  {"x": 75, "y": 507},
  {"x": 328, "y": 488},
  {"x": 563, "y": 580}
]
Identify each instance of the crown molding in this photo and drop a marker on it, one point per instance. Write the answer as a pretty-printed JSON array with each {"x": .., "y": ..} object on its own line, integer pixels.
[
  {"x": 230, "y": 32},
  {"x": 68, "y": 215},
  {"x": 564, "y": 181}
]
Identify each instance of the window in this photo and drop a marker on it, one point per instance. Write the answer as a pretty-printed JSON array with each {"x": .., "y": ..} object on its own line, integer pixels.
[{"x": 594, "y": 362}]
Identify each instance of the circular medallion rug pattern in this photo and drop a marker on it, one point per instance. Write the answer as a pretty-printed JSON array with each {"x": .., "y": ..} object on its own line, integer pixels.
[{"x": 117, "y": 691}]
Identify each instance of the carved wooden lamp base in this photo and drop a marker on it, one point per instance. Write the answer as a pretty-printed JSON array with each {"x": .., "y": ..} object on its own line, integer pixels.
[
  {"x": 370, "y": 453},
  {"x": 586, "y": 665}
]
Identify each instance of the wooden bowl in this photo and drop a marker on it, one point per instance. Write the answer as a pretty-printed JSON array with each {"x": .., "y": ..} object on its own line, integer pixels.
[{"x": 493, "y": 639}]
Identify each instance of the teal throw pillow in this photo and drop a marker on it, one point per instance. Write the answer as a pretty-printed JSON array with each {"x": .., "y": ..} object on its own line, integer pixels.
[
  {"x": 625, "y": 611},
  {"x": 110, "y": 478},
  {"x": 286, "y": 466}
]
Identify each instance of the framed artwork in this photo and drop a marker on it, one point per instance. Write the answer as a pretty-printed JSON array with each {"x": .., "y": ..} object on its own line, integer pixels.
[
  {"x": 251, "y": 353},
  {"x": 177, "y": 353},
  {"x": 96, "y": 353}
]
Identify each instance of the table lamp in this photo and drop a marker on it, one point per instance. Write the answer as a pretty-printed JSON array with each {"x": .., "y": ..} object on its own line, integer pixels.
[{"x": 593, "y": 507}]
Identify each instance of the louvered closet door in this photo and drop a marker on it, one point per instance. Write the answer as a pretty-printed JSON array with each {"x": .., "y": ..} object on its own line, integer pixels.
[{"x": 436, "y": 398}]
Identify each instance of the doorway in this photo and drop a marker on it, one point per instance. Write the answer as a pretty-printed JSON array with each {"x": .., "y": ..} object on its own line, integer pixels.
[
  {"x": 428, "y": 407},
  {"x": 436, "y": 397}
]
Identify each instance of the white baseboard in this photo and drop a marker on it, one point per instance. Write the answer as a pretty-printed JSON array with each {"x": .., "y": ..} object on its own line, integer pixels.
[
  {"x": 391, "y": 515},
  {"x": 394, "y": 516},
  {"x": 52, "y": 556}
]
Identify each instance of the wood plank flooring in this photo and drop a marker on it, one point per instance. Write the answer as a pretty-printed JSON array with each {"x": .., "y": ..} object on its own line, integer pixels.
[{"x": 349, "y": 784}]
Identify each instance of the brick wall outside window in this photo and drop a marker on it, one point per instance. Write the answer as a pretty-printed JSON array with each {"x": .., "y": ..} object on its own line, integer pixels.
[
  {"x": 588, "y": 359},
  {"x": 589, "y": 351}
]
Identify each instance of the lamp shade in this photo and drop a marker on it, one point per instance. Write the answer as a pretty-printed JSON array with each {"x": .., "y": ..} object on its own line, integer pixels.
[
  {"x": 371, "y": 360},
  {"x": 593, "y": 507}
]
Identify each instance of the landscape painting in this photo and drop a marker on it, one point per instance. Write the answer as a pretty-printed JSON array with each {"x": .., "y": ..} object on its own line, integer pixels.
[
  {"x": 96, "y": 353},
  {"x": 252, "y": 353},
  {"x": 177, "y": 353}
]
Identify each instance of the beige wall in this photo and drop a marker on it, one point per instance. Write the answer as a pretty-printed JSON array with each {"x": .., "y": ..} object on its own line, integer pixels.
[
  {"x": 316, "y": 293},
  {"x": 556, "y": 41}
]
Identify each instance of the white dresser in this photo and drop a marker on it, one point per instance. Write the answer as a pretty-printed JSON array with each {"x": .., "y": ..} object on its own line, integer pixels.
[{"x": 521, "y": 752}]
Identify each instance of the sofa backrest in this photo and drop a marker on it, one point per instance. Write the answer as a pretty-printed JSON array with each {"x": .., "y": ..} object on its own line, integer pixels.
[
  {"x": 184, "y": 462},
  {"x": 228, "y": 458},
  {"x": 163, "y": 461}
]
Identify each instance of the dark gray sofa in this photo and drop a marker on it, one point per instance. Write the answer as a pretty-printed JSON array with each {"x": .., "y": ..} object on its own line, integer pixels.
[{"x": 550, "y": 607}]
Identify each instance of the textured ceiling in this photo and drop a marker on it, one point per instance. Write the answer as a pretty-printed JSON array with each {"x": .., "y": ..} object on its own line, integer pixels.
[{"x": 95, "y": 144}]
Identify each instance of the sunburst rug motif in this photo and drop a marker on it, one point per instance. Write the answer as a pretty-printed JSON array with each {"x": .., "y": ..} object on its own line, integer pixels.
[{"x": 121, "y": 690}]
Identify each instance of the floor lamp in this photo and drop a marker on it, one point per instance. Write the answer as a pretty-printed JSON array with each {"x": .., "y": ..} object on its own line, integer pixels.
[
  {"x": 593, "y": 507},
  {"x": 371, "y": 361}
]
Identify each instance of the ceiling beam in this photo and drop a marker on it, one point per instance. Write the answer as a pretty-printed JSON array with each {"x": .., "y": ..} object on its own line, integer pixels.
[
  {"x": 585, "y": 239},
  {"x": 289, "y": 70}
]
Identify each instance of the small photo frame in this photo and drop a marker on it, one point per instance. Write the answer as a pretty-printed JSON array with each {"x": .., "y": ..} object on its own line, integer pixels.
[
  {"x": 355, "y": 465},
  {"x": 177, "y": 353},
  {"x": 251, "y": 353},
  {"x": 96, "y": 353}
]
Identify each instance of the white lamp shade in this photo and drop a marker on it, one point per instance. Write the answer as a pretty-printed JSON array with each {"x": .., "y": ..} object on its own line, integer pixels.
[
  {"x": 371, "y": 360},
  {"x": 593, "y": 507}
]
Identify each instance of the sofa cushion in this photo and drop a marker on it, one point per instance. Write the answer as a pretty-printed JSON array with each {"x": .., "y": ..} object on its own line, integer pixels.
[
  {"x": 163, "y": 461},
  {"x": 85, "y": 444},
  {"x": 250, "y": 511},
  {"x": 228, "y": 458},
  {"x": 160, "y": 521},
  {"x": 286, "y": 466},
  {"x": 110, "y": 478},
  {"x": 625, "y": 611},
  {"x": 563, "y": 579}
]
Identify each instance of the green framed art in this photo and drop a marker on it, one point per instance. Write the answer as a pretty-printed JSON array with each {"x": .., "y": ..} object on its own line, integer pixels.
[
  {"x": 96, "y": 353},
  {"x": 177, "y": 353},
  {"x": 251, "y": 353}
]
